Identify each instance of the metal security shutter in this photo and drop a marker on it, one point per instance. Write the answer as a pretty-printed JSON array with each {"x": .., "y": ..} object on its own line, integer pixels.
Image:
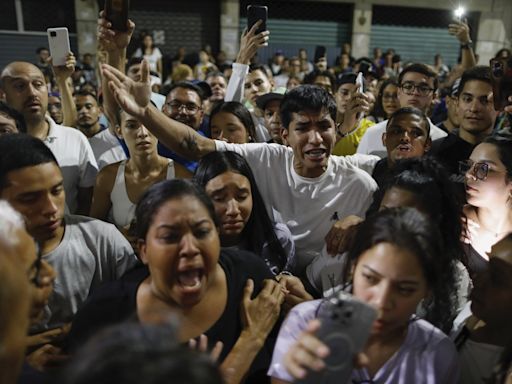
[
  {"x": 191, "y": 24},
  {"x": 20, "y": 46},
  {"x": 417, "y": 34},
  {"x": 416, "y": 44},
  {"x": 291, "y": 35}
]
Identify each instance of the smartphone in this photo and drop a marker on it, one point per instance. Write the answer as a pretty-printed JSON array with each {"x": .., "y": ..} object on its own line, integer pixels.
[
  {"x": 58, "y": 40},
  {"x": 345, "y": 325},
  {"x": 255, "y": 13},
  {"x": 501, "y": 78},
  {"x": 116, "y": 11},
  {"x": 360, "y": 82}
]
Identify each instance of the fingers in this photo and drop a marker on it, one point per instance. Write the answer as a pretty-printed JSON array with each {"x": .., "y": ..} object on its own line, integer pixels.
[
  {"x": 361, "y": 360},
  {"x": 253, "y": 29},
  {"x": 203, "y": 343},
  {"x": 145, "y": 71},
  {"x": 248, "y": 290},
  {"x": 216, "y": 351},
  {"x": 113, "y": 74}
]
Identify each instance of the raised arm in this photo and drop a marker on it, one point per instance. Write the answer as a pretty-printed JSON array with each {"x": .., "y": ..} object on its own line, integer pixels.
[
  {"x": 461, "y": 32},
  {"x": 134, "y": 98},
  {"x": 249, "y": 45},
  {"x": 62, "y": 75},
  {"x": 114, "y": 43}
]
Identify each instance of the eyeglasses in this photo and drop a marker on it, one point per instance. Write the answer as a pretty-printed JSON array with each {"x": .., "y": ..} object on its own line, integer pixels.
[
  {"x": 409, "y": 87},
  {"x": 480, "y": 171},
  {"x": 176, "y": 106},
  {"x": 35, "y": 269}
]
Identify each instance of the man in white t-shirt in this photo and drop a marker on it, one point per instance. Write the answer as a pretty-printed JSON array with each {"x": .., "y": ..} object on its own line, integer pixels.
[
  {"x": 417, "y": 85},
  {"x": 25, "y": 91},
  {"x": 302, "y": 184}
]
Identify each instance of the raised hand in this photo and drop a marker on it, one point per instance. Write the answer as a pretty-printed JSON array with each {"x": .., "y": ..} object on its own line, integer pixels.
[
  {"x": 63, "y": 72},
  {"x": 261, "y": 313},
  {"x": 250, "y": 42},
  {"x": 461, "y": 31},
  {"x": 133, "y": 97},
  {"x": 111, "y": 40},
  {"x": 341, "y": 234}
]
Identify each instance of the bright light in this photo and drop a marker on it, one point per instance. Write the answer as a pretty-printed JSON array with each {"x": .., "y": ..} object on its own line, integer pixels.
[{"x": 459, "y": 12}]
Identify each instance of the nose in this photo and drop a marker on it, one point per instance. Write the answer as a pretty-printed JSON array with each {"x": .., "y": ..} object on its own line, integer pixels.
[
  {"x": 188, "y": 246},
  {"x": 142, "y": 132},
  {"x": 383, "y": 297},
  {"x": 49, "y": 205},
  {"x": 315, "y": 137},
  {"x": 276, "y": 118},
  {"x": 406, "y": 136},
  {"x": 233, "y": 208},
  {"x": 254, "y": 88}
]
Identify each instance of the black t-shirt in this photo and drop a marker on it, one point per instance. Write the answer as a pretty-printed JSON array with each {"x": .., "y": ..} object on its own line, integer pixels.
[{"x": 115, "y": 302}]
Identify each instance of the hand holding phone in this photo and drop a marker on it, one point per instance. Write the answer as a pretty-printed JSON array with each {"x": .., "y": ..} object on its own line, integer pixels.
[
  {"x": 345, "y": 327},
  {"x": 58, "y": 41},
  {"x": 255, "y": 13},
  {"x": 116, "y": 11},
  {"x": 501, "y": 78}
]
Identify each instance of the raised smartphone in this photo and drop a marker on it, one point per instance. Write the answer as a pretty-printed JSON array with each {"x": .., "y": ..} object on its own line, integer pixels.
[
  {"x": 116, "y": 11},
  {"x": 501, "y": 77},
  {"x": 255, "y": 13},
  {"x": 345, "y": 327},
  {"x": 58, "y": 41}
]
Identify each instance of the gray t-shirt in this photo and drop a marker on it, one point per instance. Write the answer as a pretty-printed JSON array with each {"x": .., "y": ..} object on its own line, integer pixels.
[{"x": 90, "y": 253}]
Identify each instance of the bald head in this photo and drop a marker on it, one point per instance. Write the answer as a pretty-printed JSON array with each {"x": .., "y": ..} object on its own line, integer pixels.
[{"x": 25, "y": 90}]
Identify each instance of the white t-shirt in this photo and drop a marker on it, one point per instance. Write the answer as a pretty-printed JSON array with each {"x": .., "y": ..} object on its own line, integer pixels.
[
  {"x": 371, "y": 142},
  {"x": 307, "y": 205},
  {"x": 106, "y": 148},
  {"x": 91, "y": 252},
  {"x": 75, "y": 157}
]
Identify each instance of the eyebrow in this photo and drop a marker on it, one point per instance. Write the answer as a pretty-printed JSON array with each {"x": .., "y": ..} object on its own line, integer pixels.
[
  {"x": 178, "y": 226},
  {"x": 403, "y": 281}
]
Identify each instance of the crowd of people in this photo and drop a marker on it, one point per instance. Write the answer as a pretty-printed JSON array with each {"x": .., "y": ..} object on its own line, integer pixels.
[{"x": 191, "y": 230}]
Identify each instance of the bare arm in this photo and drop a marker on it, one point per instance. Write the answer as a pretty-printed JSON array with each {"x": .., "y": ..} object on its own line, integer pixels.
[
  {"x": 249, "y": 44},
  {"x": 62, "y": 74},
  {"x": 461, "y": 32},
  {"x": 114, "y": 43},
  {"x": 134, "y": 98},
  {"x": 101, "y": 202}
]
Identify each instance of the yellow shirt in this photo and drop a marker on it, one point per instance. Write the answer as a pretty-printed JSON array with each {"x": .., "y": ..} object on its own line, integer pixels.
[{"x": 348, "y": 145}]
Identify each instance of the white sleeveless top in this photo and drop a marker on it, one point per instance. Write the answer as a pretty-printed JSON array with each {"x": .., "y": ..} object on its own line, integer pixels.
[{"x": 123, "y": 209}]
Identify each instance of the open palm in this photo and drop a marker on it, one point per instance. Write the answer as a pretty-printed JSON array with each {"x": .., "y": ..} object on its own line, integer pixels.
[{"x": 133, "y": 97}]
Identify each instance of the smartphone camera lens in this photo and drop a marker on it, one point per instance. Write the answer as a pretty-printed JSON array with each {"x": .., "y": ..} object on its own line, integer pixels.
[
  {"x": 497, "y": 69},
  {"x": 53, "y": 33}
]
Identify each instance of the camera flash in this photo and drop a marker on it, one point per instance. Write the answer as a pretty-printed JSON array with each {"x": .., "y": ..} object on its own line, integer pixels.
[{"x": 459, "y": 12}]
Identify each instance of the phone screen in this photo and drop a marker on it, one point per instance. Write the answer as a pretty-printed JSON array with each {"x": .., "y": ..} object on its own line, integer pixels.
[{"x": 255, "y": 13}]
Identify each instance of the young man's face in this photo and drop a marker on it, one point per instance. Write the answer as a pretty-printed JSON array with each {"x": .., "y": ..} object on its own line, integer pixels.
[
  {"x": 25, "y": 90},
  {"x": 311, "y": 135},
  {"x": 55, "y": 109},
  {"x": 406, "y": 137},
  {"x": 475, "y": 108},
  {"x": 37, "y": 192},
  {"x": 218, "y": 86},
  {"x": 421, "y": 95},
  {"x": 184, "y": 105},
  {"x": 88, "y": 112},
  {"x": 256, "y": 84},
  {"x": 273, "y": 120}
]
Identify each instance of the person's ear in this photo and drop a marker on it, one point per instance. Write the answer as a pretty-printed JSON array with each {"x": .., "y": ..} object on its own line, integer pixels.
[
  {"x": 384, "y": 138},
  {"x": 141, "y": 245},
  {"x": 118, "y": 130},
  {"x": 284, "y": 136},
  {"x": 428, "y": 144}
]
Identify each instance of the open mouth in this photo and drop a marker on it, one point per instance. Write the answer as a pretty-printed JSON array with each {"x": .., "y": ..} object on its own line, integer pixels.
[
  {"x": 190, "y": 279},
  {"x": 315, "y": 154},
  {"x": 404, "y": 148}
]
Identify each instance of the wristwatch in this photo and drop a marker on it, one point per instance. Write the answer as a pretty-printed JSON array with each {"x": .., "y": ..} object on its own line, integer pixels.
[{"x": 468, "y": 45}]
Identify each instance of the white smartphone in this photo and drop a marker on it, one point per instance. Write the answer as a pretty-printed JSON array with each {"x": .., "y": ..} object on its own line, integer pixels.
[
  {"x": 58, "y": 40},
  {"x": 360, "y": 82}
]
